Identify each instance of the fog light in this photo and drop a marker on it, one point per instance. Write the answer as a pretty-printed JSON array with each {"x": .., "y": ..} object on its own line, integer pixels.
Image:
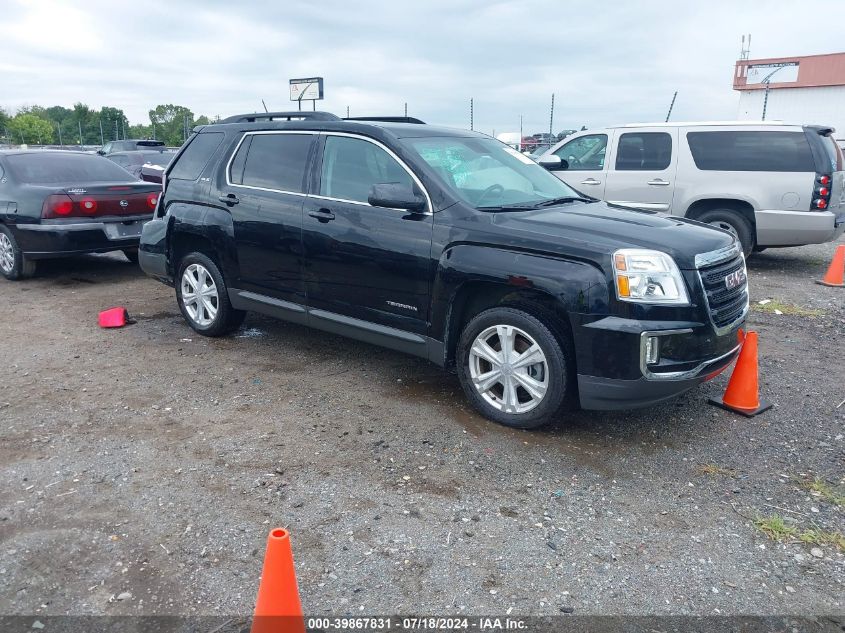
[{"x": 652, "y": 350}]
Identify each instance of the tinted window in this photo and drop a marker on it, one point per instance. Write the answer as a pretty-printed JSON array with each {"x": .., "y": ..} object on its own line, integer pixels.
[
  {"x": 276, "y": 161},
  {"x": 236, "y": 170},
  {"x": 644, "y": 151},
  {"x": 196, "y": 155},
  {"x": 585, "y": 152},
  {"x": 352, "y": 166},
  {"x": 64, "y": 168},
  {"x": 154, "y": 158},
  {"x": 751, "y": 151}
]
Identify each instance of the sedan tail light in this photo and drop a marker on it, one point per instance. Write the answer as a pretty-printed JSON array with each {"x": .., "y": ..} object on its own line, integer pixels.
[{"x": 57, "y": 206}]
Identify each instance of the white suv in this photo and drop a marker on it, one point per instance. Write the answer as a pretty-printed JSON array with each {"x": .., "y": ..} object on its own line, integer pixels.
[{"x": 768, "y": 183}]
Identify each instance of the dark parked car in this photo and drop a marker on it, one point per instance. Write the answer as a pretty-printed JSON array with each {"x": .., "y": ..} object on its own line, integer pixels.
[
  {"x": 451, "y": 246},
  {"x": 129, "y": 145},
  {"x": 55, "y": 204},
  {"x": 134, "y": 163}
]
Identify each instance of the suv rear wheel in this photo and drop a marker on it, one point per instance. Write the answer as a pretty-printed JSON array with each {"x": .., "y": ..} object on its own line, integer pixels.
[
  {"x": 733, "y": 222},
  {"x": 512, "y": 368},
  {"x": 13, "y": 264},
  {"x": 202, "y": 297}
]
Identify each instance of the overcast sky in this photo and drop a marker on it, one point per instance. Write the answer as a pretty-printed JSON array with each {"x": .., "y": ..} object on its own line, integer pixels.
[{"x": 606, "y": 62}]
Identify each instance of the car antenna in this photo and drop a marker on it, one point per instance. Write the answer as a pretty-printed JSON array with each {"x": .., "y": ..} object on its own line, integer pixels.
[{"x": 265, "y": 105}]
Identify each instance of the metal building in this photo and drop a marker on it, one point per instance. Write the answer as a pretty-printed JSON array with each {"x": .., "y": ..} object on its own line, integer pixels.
[{"x": 809, "y": 89}]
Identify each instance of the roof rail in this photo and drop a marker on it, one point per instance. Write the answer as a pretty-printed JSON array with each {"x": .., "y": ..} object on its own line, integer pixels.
[
  {"x": 281, "y": 116},
  {"x": 386, "y": 119}
]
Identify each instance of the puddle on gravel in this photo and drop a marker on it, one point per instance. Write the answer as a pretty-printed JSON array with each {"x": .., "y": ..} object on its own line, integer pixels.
[{"x": 251, "y": 332}]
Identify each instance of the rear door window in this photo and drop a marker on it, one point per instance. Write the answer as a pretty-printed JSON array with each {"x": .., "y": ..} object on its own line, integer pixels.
[
  {"x": 644, "y": 151},
  {"x": 272, "y": 161},
  {"x": 751, "y": 151},
  {"x": 195, "y": 157}
]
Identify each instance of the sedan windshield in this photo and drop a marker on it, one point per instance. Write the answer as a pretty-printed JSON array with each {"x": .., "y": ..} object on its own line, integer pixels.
[{"x": 489, "y": 174}]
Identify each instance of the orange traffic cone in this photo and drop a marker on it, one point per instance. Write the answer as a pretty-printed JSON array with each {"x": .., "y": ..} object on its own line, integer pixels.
[
  {"x": 836, "y": 273},
  {"x": 277, "y": 608},
  {"x": 742, "y": 395}
]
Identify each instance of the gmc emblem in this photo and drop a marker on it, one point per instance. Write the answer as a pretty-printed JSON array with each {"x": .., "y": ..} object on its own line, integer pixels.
[{"x": 735, "y": 279}]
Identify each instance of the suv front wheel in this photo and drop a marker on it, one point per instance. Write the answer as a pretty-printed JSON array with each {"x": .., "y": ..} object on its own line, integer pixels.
[
  {"x": 203, "y": 299},
  {"x": 512, "y": 368}
]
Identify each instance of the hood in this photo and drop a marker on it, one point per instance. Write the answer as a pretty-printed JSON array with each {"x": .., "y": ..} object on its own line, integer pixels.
[{"x": 600, "y": 228}]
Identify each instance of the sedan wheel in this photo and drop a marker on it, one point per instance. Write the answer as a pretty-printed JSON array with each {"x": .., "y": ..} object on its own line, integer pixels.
[
  {"x": 199, "y": 295},
  {"x": 7, "y": 254},
  {"x": 508, "y": 369}
]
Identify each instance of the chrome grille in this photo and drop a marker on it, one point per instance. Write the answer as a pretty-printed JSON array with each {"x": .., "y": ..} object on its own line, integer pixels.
[{"x": 726, "y": 305}]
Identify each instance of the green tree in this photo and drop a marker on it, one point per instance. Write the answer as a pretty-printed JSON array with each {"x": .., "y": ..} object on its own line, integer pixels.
[
  {"x": 4, "y": 123},
  {"x": 30, "y": 128},
  {"x": 170, "y": 123}
]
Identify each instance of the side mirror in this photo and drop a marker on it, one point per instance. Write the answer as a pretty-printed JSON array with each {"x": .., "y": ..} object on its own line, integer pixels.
[
  {"x": 395, "y": 196},
  {"x": 553, "y": 163}
]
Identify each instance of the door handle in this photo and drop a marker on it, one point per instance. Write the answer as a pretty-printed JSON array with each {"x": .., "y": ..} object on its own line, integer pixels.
[
  {"x": 591, "y": 181},
  {"x": 658, "y": 182},
  {"x": 323, "y": 215},
  {"x": 229, "y": 199}
]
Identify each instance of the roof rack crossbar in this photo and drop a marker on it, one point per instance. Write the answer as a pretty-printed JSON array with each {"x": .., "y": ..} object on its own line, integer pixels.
[{"x": 281, "y": 116}]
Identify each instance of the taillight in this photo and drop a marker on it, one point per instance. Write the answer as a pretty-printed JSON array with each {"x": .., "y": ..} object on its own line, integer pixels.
[
  {"x": 821, "y": 192},
  {"x": 57, "y": 206},
  {"x": 88, "y": 205},
  {"x": 152, "y": 200}
]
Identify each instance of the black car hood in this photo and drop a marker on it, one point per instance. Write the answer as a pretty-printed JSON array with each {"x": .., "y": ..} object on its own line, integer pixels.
[{"x": 603, "y": 228}]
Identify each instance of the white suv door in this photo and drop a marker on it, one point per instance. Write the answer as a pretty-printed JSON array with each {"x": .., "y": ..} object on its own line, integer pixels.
[
  {"x": 642, "y": 170},
  {"x": 586, "y": 165}
]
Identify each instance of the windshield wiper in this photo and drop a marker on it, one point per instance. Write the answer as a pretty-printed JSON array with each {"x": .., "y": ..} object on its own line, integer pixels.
[
  {"x": 509, "y": 207},
  {"x": 564, "y": 200}
]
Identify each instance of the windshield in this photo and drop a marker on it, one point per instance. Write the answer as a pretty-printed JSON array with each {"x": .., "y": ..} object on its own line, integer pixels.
[
  {"x": 487, "y": 173},
  {"x": 157, "y": 158},
  {"x": 48, "y": 168}
]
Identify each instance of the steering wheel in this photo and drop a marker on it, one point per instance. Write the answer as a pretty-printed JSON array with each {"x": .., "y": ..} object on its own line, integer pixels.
[
  {"x": 497, "y": 188},
  {"x": 573, "y": 161}
]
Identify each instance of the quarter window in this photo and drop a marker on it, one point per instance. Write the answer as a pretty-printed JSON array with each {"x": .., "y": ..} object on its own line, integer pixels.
[
  {"x": 585, "y": 153},
  {"x": 273, "y": 161},
  {"x": 195, "y": 156},
  {"x": 751, "y": 151},
  {"x": 644, "y": 151},
  {"x": 352, "y": 166}
]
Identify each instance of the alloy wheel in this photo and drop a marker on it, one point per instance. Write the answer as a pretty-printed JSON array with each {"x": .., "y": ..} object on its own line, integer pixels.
[
  {"x": 199, "y": 295},
  {"x": 508, "y": 369},
  {"x": 7, "y": 253}
]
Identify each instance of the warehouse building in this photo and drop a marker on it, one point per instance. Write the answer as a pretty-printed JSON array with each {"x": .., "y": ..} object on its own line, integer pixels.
[{"x": 809, "y": 89}]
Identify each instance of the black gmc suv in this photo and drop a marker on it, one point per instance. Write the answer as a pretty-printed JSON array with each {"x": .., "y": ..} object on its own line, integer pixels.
[{"x": 452, "y": 246}]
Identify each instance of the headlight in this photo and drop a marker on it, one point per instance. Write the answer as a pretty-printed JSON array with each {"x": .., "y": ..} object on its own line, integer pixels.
[{"x": 648, "y": 277}]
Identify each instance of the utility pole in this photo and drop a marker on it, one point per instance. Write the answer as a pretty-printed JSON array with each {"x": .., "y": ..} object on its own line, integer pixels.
[
  {"x": 471, "y": 122},
  {"x": 520, "y": 132},
  {"x": 347, "y": 112},
  {"x": 123, "y": 125},
  {"x": 154, "y": 130},
  {"x": 671, "y": 105},
  {"x": 59, "y": 128},
  {"x": 551, "y": 119},
  {"x": 115, "y": 129},
  {"x": 102, "y": 139},
  {"x": 406, "y": 109},
  {"x": 80, "y": 131}
]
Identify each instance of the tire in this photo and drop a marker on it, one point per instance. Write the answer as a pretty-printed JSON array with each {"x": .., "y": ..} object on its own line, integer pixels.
[
  {"x": 552, "y": 371},
  {"x": 13, "y": 264},
  {"x": 210, "y": 314},
  {"x": 131, "y": 254},
  {"x": 734, "y": 222}
]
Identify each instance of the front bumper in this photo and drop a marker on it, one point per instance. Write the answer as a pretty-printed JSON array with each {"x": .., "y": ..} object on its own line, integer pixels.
[
  {"x": 61, "y": 238},
  {"x": 618, "y": 375},
  {"x": 796, "y": 228}
]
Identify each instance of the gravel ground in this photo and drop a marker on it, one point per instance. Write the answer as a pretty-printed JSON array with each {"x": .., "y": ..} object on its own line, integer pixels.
[{"x": 141, "y": 469}]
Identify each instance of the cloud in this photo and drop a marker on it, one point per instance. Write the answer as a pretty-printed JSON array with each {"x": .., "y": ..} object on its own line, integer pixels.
[{"x": 612, "y": 62}]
